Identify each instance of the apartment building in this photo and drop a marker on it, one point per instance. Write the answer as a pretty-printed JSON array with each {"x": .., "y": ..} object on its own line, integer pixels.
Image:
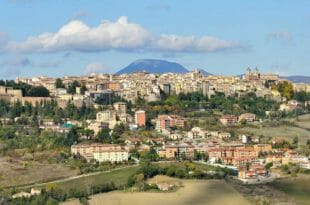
[
  {"x": 236, "y": 156},
  {"x": 165, "y": 122},
  {"x": 101, "y": 152},
  {"x": 140, "y": 118}
]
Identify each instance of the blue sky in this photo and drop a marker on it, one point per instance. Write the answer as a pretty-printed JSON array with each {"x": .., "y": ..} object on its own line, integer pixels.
[{"x": 75, "y": 37}]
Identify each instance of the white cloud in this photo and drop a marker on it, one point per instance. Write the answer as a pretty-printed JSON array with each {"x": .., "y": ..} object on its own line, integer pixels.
[
  {"x": 192, "y": 44},
  {"x": 95, "y": 68},
  {"x": 120, "y": 35}
]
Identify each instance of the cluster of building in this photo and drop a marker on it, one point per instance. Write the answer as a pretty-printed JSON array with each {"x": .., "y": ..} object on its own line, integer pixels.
[
  {"x": 150, "y": 86},
  {"x": 115, "y": 115},
  {"x": 176, "y": 144}
]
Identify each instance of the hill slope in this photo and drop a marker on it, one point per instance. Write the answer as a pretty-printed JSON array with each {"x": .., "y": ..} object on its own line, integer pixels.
[{"x": 153, "y": 66}]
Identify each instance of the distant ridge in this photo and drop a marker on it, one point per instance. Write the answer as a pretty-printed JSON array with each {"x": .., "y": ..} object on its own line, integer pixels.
[
  {"x": 153, "y": 66},
  {"x": 297, "y": 78},
  {"x": 205, "y": 73}
]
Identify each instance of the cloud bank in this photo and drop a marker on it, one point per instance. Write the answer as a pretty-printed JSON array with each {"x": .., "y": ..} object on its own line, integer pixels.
[{"x": 120, "y": 35}]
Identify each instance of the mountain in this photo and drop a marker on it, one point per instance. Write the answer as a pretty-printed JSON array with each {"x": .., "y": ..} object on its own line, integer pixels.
[
  {"x": 298, "y": 79},
  {"x": 153, "y": 66},
  {"x": 205, "y": 73}
]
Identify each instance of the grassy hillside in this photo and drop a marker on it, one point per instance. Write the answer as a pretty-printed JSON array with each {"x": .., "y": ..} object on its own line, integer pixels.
[
  {"x": 279, "y": 132},
  {"x": 210, "y": 192},
  {"x": 298, "y": 188},
  {"x": 119, "y": 177}
]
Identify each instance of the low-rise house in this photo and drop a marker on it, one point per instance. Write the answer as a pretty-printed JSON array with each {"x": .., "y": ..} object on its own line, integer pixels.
[
  {"x": 254, "y": 172},
  {"x": 133, "y": 141},
  {"x": 229, "y": 120},
  {"x": 97, "y": 126},
  {"x": 21, "y": 195},
  {"x": 157, "y": 140},
  {"x": 290, "y": 106},
  {"x": 224, "y": 135},
  {"x": 248, "y": 117},
  {"x": 249, "y": 139},
  {"x": 164, "y": 186},
  {"x": 27, "y": 194},
  {"x": 293, "y": 157},
  {"x": 276, "y": 159},
  {"x": 196, "y": 132}
]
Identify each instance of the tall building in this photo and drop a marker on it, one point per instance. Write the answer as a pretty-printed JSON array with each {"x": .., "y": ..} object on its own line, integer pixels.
[{"x": 140, "y": 118}]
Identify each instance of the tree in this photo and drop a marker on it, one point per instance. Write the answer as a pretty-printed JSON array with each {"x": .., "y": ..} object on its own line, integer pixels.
[
  {"x": 72, "y": 87},
  {"x": 83, "y": 89},
  {"x": 151, "y": 155},
  {"x": 268, "y": 165},
  {"x": 118, "y": 130},
  {"x": 72, "y": 137},
  {"x": 286, "y": 89},
  {"x": 59, "y": 83},
  {"x": 38, "y": 91},
  {"x": 180, "y": 173},
  {"x": 104, "y": 135}
]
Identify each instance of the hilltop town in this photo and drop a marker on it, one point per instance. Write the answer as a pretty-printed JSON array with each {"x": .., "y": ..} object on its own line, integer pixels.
[{"x": 101, "y": 122}]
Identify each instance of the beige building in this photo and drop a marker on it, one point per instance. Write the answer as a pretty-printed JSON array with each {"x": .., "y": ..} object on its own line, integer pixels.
[
  {"x": 101, "y": 152},
  {"x": 120, "y": 108},
  {"x": 107, "y": 116}
]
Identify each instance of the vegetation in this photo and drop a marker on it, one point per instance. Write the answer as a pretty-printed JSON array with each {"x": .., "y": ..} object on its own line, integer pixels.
[{"x": 27, "y": 90}]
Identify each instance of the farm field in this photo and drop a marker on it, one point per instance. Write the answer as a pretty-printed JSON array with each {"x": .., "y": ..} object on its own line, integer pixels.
[
  {"x": 207, "y": 192},
  {"x": 21, "y": 172},
  {"x": 303, "y": 124},
  {"x": 280, "y": 132},
  {"x": 118, "y": 177},
  {"x": 298, "y": 188}
]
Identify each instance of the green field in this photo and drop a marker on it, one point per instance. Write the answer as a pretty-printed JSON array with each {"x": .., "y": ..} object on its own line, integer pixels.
[
  {"x": 207, "y": 192},
  {"x": 298, "y": 188},
  {"x": 119, "y": 177}
]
